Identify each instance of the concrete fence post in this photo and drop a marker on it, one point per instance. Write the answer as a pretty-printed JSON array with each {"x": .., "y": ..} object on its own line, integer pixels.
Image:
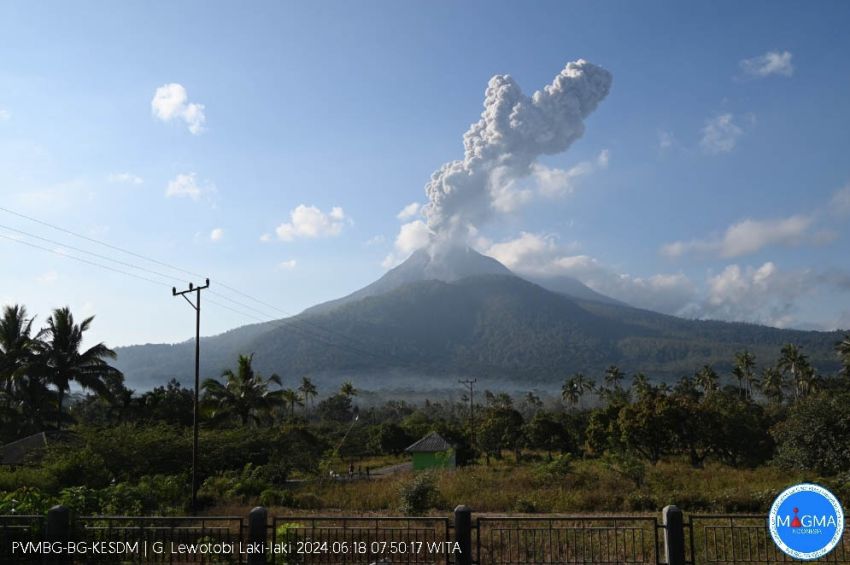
[
  {"x": 58, "y": 530},
  {"x": 463, "y": 534},
  {"x": 257, "y": 535},
  {"x": 674, "y": 535}
]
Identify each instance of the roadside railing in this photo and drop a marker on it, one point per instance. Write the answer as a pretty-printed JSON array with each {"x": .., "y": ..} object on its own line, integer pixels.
[{"x": 675, "y": 539}]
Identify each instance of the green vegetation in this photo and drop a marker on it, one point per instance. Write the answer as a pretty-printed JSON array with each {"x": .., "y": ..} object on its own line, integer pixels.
[{"x": 713, "y": 441}]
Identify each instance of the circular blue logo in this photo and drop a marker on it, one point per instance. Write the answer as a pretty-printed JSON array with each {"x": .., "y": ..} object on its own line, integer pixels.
[{"x": 806, "y": 521}]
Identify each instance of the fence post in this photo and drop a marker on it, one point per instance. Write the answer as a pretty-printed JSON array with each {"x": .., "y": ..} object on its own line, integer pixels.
[
  {"x": 257, "y": 524},
  {"x": 58, "y": 530},
  {"x": 463, "y": 534},
  {"x": 674, "y": 535}
]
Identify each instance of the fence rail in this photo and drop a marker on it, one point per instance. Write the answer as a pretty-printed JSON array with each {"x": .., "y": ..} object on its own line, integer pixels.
[
  {"x": 555, "y": 539},
  {"x": 743, "y": 539},
  {"x": 696, "y": 539}
]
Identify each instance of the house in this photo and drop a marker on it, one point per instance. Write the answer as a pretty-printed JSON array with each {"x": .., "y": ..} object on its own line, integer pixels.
[
  {"x": 23, "y": 451},
  {"x": 432, "y": 452}
]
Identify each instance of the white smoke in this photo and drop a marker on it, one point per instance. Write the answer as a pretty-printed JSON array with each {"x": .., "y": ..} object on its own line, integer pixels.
[{"x": 502, "y": 147}]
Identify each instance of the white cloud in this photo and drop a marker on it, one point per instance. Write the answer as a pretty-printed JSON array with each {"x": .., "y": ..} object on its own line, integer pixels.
[
  {"x": 185, "y": 185},
  {"x": 375, "y": 240},
  {"x": 124, "y": 178},
  {"x": 749, "y": 236},
  {"x": 5, "y": 115},
  {"x": 762, "y": 295},
  {"x": 217, "y": 234},
  {"x": 49, "y": 277},
  {"x": 310, "y": 222},
  {"x": 411, "y": 237},
  {"x": 409, "y": 211},
  {"x": 266, "y": 237},
  {"x": 542, "y": 256},
  {"x": 170, "y": 102},
  {"x": 720, "y": 134},
  {"x": 840, "y": 202},
  {"x": 287, "y": 265},
  {"x": 771, "y": 63}
]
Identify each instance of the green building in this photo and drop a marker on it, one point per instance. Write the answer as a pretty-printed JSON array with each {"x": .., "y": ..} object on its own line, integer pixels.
[{"x": 432, "y": 452}]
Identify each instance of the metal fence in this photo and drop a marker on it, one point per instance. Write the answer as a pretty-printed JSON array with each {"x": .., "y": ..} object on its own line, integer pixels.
[
  {"x": 743, "y": 539},
  {"x": 568, "y": 539},
  {"x": 698, "y": 539},
  {"x": 160, "y": 539},
  {"x": 360, "y": 540},
  {"x": 19, "y": 529}
]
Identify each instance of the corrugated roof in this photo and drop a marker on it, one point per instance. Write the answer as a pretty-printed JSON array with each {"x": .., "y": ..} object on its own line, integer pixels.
[
  {"x": 17, "y": 452},
  {"x": 431, "y": 443}
]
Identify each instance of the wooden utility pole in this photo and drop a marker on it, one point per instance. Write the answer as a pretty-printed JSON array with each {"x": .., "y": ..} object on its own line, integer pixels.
[{"x": 195, "y": 413}]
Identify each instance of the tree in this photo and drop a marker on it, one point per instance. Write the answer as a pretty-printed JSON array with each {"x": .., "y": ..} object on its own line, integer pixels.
[
  {"x": 21, "y": 387},
  {"x": 773, "y": 384},
  {"x": 645, "y": 425},
  {"x": 308, "y": 391},
  {"x": 62, "y": 361},
  {"x": 547, "y": 433},
  {"x": 390, "y": 438},
  {"x": 706, "y": 379},
  {"x": 291, "y": 398},
  {"x": 793, "y": 361},
  {"x": 843, "y": 349},
  {"x": 347, "y": 389},
  {"x": 745, "y": 363},
  {"x": 826, "y": 451},
  {"x": 244, "y": 395}
]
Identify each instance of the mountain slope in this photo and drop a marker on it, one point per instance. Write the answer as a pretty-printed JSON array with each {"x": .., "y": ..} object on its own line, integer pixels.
[{"x": 503, "y": 329}]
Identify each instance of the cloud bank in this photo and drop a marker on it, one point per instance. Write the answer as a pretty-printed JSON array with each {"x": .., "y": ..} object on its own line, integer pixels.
[{"x": 310, "y": 222}]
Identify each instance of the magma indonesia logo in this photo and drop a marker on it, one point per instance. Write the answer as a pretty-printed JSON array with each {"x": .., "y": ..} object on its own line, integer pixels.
[{"x": 806, "y": 521}]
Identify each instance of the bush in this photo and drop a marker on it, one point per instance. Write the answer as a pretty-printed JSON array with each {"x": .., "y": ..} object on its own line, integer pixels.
[
  {"x": 276, "y": 497},
  {"x": 307, "y": 501},
  {"x": 419, "y": 495}
]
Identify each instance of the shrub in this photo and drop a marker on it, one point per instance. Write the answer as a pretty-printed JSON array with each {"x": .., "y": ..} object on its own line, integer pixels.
[{"x": 418, "y": 495}]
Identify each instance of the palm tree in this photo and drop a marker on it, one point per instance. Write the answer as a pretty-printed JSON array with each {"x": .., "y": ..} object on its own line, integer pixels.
[
  {"x": 745, "y": 363},
  {"x": 575, "y": 388},
  {"x": 706, "y": 378},
  {"x": 773, "y": 384},
  {"x": 291, "y": 397},
  {"x": 62, "y": 361},
  {"x": 24, "y": 395},
  {"x": 843, "y": 349},
  {"x": 641, "y": 384},
  {"x": 244, "y": 394},
  {"x": 307, "y": 390},
  {"x": 793, "y": 361},
  {"x": 347, "y": 389},
  {"x": 613, "y": 376}
]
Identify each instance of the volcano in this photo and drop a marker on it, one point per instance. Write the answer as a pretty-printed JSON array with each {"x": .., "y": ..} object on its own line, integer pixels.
[{"x": 432, "y": 319}]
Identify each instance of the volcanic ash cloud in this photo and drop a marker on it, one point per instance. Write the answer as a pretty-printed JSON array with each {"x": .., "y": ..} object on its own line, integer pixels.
[{"x": 514, "y": 130}]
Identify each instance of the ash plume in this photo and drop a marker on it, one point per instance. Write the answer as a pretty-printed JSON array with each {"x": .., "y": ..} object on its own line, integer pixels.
[{"x": 501, "y": 148}]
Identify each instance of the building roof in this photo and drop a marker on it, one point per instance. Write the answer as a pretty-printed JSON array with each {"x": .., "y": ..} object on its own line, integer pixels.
[
  {"x": 17, "y": 452},
  {"x": 431, "y": 443}
]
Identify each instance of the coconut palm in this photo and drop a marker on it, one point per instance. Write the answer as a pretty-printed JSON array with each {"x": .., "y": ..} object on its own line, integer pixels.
[
  {"x": 61, "y": 359},
  {"x": 706, "y": 379},
  {"x": 347, "y": 389},
  {"x": 575, "y": 388},
  {"x": 244, "y": 395},
  {"x": 307, "y": 390},
  {"x": 792, "y": 360},
  {"x": 291, "y": 398},
  {"x": 614, "y": 376},
  {"x": 641, "y": 384},
  {"x": 23, "y": 395},
  {"x": 773, "y": 384},
  {"x": 745, "y": 363}
]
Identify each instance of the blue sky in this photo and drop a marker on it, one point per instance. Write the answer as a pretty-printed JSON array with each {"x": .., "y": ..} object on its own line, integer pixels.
[{"x": 713, "y": 181}]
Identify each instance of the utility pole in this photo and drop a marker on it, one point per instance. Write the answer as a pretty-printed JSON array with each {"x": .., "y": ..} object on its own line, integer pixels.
[
  {"x": 195, "y": 413},
  {"x": 470, "y": 384}
]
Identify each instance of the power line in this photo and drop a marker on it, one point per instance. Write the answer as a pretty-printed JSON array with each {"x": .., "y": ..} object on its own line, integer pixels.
[
  {"x": 169, "y": 277},
  {"x": 292, "y": 323}
]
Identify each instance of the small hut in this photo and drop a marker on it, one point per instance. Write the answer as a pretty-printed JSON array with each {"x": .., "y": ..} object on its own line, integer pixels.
[{"x": 432, "y": 452}]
